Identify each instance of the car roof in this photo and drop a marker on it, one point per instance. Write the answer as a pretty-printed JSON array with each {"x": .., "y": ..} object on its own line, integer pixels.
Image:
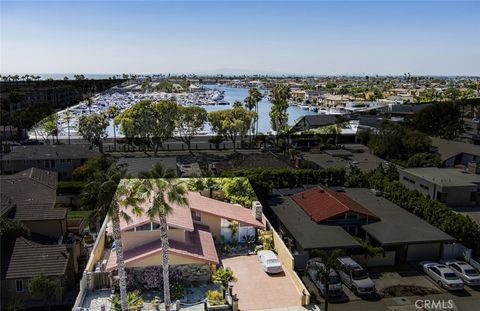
[
  {"x": 348, "y": 261},
  {"x": 268, "y": 255}
]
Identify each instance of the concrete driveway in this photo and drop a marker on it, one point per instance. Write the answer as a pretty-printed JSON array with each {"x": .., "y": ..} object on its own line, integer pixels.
[{"x": 257, "y": 290}]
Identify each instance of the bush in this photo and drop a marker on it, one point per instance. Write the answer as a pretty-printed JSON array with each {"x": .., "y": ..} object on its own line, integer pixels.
[
  {"x": 215, "y": 298},
  {"x": 135, "y": 301}
]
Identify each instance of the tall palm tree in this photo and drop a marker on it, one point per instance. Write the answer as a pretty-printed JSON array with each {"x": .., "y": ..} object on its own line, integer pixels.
[
  {"x": 107, "y": 194},
  {"x": 252, "y": 100},
  {"x": 68, "y": 117},
  {"x": 160, "y": 194},
  {"x": 89, "y": 103},
  {"x": 112, "y": 112}
]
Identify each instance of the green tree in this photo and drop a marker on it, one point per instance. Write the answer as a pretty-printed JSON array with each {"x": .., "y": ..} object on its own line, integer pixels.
[
  {"x": 12, "y": 229},
  {"x": 45, "y": 288},
  {"x": 93, "y": 127},
  {"x": 278, "y": 114},
  {"x": 231, "y": 123},
  {"x": 238, "y": 190},
  {"x": 112, "y": 113},
  {"x": 442, "y": 119},
  {"x": 251, "y": 102},
  {"x": 48, "y": 127},
  {"x": 224, "y": 276},
  {"x": 160, "y": 194},
  {"x": 190, "y": 122}
]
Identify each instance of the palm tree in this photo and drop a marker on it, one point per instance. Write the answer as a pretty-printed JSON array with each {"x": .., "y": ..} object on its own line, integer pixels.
[
  {"x": 252, "y": 100},
  {"x": 160, "y": 193},
  {"x": 107, "y": 194},
  {"x": 329, "y": 259},
  {"x": 112, "y": 112},
  {"x": 68, "y": 117},
  {"x": 89, "y": 103}
]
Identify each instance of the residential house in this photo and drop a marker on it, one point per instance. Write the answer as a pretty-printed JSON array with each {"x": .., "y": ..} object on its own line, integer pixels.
[
  {"x": 323, "y": 218},
  {"x": 192, "y": 230},
  {"x": 454, "y": 187},
  {"x": 471, "y": 131},
  {"x": 344, "y": 158},
  {"x": 58, "y": 158},
  {"x": 135, "y": 166},
  {"x": 453, "y": 153},
  {"x": 405, "y": 110},
  {"x": 29, "y": 197}
]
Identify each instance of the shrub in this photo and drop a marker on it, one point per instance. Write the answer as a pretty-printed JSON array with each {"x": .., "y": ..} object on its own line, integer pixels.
[{"x": 215, "y": 298}]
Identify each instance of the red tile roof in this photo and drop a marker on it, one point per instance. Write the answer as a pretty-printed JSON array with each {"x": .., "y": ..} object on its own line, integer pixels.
[
  {"x": 225, "y": 210},
  {"x": 322, "y": 204},
  {"x": 199, "y": 245}
]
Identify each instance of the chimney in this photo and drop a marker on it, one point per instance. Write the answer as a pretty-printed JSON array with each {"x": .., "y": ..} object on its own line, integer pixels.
[{"x": 257, "y": 210}]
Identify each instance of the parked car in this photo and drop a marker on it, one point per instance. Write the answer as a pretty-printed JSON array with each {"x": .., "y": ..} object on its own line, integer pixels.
[
  {"x": 269, "y": 261},
  {"x": 334, "y": 286},
  {"x": 355, "y": 277},
  {"x": 442, "y": 275},
  {"x": 465, "y": 271}
]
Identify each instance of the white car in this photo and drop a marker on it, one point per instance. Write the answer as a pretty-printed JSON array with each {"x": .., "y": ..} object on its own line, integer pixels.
[
  {"x": 465, "y": 271},
  {"x": 355, "y": 278},
  {"x": 334, "y": 286},
  {"x": 442, "y": 275},
  {"x": 269, "y": 261}
]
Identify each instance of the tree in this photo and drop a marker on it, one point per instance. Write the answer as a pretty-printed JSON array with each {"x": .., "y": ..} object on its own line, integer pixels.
[
  {"x": 12, "y": 229},
  {"x": 329, "y": 263},
  {"x": 442, "y": 119},
  {"x": 424, "y": 159},
  {"x": 112, "y": 112},
  {"x": 93, "y": 127},
  {"x": 251, "y": 102},
  {"x": 278, "y": 114},
  {"x": 48, "y": 127},
  {"x": 224, "y": 276},
  {"x": 98, "y": 193},
  {"x": 190, "y": 122},
  {"x": 67, "y": 115},
  {"x": 88, "y": 102},
  {"x": 238, "y": 190},
  {"x": 45, "y": 288},
  {"x": 231, "y": 123},
  {"x": 160, "y": 194}
]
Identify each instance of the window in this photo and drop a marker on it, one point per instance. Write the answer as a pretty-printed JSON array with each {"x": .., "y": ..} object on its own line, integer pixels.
[
  {"x": 52, "y": 163},
  {"x": 352, "y": 216},
  {"x": 145, "y": 227},
  {"x": 424, "y": 187},
  {"x": 47, "y": 164},
  {"x": 155, "y": 226},
  {"x": 19, "y": 284},
  {"x": 196, "y": 216}
]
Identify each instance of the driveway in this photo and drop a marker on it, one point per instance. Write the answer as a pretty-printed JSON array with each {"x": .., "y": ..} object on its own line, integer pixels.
[{"x": 257, "y": 290}]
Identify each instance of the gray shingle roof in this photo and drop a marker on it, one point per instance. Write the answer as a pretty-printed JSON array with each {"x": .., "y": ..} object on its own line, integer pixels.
[
  {"x": 397, "y": 226},
  {"x": 305, "y": 231},
  {"x": 33, "y": 192},
  {"x": 28, "y": 259},
  {"x": 42, "y": 152},
  {"x": 450, "y": 148}
]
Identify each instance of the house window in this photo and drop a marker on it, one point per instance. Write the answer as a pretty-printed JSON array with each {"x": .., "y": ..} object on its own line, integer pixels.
[
  {"x": 52, "y": 163},
  {"x": 19, "y": 284},
  {"x": 47, "y": 164},
  {"x": 145, "y": 227},
  {"x": 155, "y": 226},
  {"x": 196, "y": 216},
  {"x": 352, "y": 216}
]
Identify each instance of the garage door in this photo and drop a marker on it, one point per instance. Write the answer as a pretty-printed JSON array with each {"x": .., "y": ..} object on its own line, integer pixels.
[{"x": 418, "y": 252}]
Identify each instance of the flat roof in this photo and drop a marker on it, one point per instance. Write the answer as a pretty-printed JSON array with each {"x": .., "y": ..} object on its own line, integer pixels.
[
  {"x": 304, "y": 230},
  {"x": 449, "y": 148},
  {"x": 365, "y": 161},
  {"x": 397, "y": 225},
  {"x": 444, "y": 177},
  {"x": 134, "y": 166},
  {"x": 41, "y": 152}
]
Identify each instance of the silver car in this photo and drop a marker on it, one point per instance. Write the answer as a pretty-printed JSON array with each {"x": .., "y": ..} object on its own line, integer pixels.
[
  {"x": 355, "y": 278},
  {"x": 442, "y": 275},
  {"x": 334, "y": 286},
  {"x": 465, "y": 271}
]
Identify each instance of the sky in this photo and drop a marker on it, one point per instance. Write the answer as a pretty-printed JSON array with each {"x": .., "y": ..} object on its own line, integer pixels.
[{"x": 274, "y": 37}]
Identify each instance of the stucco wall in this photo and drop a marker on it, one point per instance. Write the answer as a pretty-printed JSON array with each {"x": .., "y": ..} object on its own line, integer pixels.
[
  {"x": 213, "y": 222},
  {"x": 156, "y": 259},
  {"x": 132, "y": 239}
]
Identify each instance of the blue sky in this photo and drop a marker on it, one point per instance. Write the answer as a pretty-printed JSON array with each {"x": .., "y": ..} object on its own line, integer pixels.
[{"x": 430, "y": 37}]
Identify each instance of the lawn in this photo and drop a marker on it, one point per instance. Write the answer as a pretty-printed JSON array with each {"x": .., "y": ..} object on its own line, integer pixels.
[{"x": 78, "y": 214}]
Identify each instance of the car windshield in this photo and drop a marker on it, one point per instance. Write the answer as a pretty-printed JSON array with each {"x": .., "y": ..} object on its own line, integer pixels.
[
  {"x": 359, "y": 274},
  {"x": 471, "y": 272},
  {"x": 450, "y": 276},
  {"x": 334, "y": 279},
  {"x": 272, "y": 261}
]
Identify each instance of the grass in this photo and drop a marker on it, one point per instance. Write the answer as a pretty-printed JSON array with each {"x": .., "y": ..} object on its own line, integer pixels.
[{"x": 78, "y": 214}]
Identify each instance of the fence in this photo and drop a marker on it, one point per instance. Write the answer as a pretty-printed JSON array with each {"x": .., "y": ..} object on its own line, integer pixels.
[
  {"x": 88, "y": 282},
  {"x": 288, "y": 261}
]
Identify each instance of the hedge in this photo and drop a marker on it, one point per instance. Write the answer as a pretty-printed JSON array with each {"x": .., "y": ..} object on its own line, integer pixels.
[{"x": 73, "y": 187}]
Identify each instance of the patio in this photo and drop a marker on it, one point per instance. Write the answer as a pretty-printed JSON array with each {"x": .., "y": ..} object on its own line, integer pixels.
[{"x": 256, "y": 289}]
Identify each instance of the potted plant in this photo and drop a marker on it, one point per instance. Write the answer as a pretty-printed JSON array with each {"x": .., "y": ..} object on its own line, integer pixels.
[{"x": 216, "y": 301}]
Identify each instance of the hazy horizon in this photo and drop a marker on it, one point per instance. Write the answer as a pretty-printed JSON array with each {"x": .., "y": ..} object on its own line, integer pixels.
[{"x": 235, "y": 38}]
